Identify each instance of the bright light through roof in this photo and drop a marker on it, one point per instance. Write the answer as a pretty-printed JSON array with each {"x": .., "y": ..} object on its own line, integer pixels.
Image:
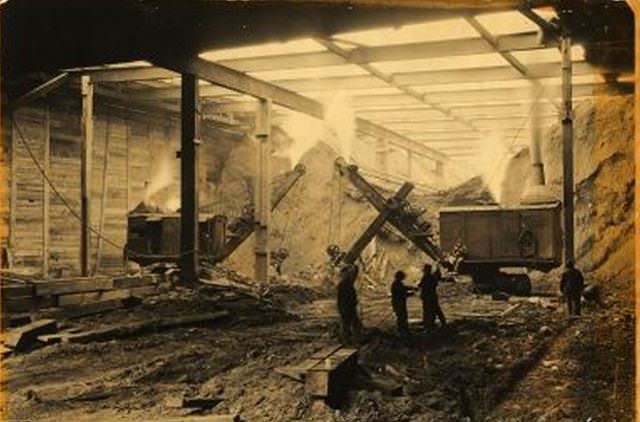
[
  {"x": 514, "y": 83},
  {"x": 548, "y": 55},
  {"x": 433, "y": 31},
  {"x": 310, "y": 72},
  {"x": 442, "y": 63},
  {"x": 307, "y": 45},
  {"x": 506, "y": 23}
]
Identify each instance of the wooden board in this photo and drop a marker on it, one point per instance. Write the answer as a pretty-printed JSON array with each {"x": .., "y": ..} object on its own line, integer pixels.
[
  {"x": 92, "y": 297},
  {"x": 127, "y": 282},
  {"x": 125, "y": 330},
  {"x": 21, "y": 337},
  {"x": 77, "y": 311},
  {"x": 329, "y": 377},
  {"x": 76, "y": 285}
]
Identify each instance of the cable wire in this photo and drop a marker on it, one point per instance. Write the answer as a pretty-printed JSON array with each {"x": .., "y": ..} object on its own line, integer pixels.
[{"x": 66, "y": 203}]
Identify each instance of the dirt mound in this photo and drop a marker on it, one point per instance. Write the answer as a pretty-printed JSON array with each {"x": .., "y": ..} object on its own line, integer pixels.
[
  {"x": 472, "y": 192},
  {"x": 604, "y": 176}
]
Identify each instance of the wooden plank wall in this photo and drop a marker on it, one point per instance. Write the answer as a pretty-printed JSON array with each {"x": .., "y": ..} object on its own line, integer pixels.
[{"x": 144, "y": 137}]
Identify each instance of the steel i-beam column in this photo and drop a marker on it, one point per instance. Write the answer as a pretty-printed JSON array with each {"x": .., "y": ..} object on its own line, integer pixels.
[
  {"x": 567, "y": 150},
  {"x": 262, "y": 191},
  {"x": 189, "y": 179},
  {"x": 85, "y": 172}
]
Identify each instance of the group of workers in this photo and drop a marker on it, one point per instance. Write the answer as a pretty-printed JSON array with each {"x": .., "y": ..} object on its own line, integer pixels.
[
  {"x": 571, "y": 286},
  {"x": 428, "y": 288}
]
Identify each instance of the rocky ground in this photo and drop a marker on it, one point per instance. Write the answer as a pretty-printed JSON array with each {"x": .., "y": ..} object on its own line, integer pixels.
[{"x": 515, "y": 360}]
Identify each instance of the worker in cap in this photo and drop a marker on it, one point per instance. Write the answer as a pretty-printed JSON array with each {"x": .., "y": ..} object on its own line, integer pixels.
[
  {"x": 348, "y": 303},
  {"x": 571, "y": 286},
  {"x": 429, "y": 294},
  {"x": 399, "y": 295}
]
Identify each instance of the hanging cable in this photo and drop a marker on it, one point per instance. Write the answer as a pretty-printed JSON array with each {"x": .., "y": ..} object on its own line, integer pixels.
[{"x": 65, "y": 201}]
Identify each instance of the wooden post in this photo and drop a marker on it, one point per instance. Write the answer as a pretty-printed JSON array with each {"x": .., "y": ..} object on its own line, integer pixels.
[
  {"x": 13, "y": 204},
  {"x": 567, "y": 150},
  {"x": 103, "y": 199},
  {"x": 85, "y": 172},
  {"x": 46, "y": 196},
  {"x": 128, "y": 182},
  {"x": 189, "y": 179},
  {"x": 262, "y": 191}
]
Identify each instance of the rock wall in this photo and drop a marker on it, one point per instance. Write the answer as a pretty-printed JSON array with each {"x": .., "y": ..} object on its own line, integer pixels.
[{"x": 604, "y": 177}]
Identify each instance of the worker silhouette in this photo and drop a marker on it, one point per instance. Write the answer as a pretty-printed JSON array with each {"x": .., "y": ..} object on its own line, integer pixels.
[
  {"x": 399, "y": 295},
  {"x": 429, "y": 294},
  {"x": 348, "y": 303},
  {"x": 572, "y": 285}
]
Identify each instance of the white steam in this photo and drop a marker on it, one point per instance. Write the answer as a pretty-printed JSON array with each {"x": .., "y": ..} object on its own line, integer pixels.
[
  {"x": 492, "y": 162},
  {"x": 337, "y": 130}
]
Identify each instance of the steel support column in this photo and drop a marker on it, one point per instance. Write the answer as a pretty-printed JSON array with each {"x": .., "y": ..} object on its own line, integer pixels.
[
  {"x": 85, "y": 172},
  {"x": 262, "y": 191},
  {"x": 189, "y": 179},
  {"x": 567, "y": 150}
]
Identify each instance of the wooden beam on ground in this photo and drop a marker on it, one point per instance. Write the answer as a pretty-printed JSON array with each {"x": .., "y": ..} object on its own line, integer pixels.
[
  {"x": 46, "y": 197},
  {"x": 330, "y": 378},
  {"x": 85, "y": 172},
  {"x": 189, "y": 179},
  {"x": 21, "y": 338}
]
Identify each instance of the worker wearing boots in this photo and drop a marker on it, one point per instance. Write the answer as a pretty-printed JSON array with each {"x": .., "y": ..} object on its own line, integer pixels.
[
  {"x": 571, "y": 285},
  {"x": 429, "y": 294},
  {"x": 348, "y": 303},
  {"x": 399, "y": 295}
]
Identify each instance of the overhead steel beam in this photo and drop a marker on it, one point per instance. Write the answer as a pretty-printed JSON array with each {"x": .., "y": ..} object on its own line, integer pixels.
[
  {"x": 506, "y": 95},
  {"x": 138, "y": 73},
  {"x": 486, "y": 74},
  {"x": 422, "y": 97},
  {"x": 397, "y": 139},
  {"x": 453, "y": 76},
  {"x": 240, "y": 82},
  {"x": 41, "y": 90},
  {"x": 510, "y": 58},
  {"x": 234, "y": 80},
  {"x": 427, "y": 78},
  {"x": 446, "y": 48}
]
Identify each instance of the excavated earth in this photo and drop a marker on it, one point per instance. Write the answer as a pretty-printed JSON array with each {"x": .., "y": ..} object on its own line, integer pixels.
[{"x": 514, "y": 360}]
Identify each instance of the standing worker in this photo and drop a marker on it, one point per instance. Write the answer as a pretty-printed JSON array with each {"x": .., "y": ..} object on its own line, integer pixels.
[
  {"x": 571, "y": 285},
  {"x": 429, "y": 294},
  {"x": 348, "y": 302},
  {"x": 399, "y": 295}
]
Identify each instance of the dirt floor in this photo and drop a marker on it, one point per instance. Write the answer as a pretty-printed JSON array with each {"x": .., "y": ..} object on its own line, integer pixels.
[{"x": 515, "y": 360}]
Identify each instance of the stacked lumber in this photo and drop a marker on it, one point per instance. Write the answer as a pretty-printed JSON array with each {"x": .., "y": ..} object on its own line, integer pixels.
[{"x": 72, "y": 297}]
